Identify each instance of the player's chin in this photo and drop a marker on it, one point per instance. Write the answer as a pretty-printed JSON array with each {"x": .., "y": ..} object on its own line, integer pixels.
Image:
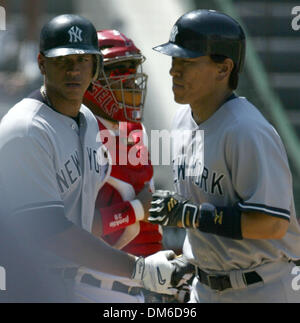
[
  {"x": 179, "y": 99},
  {"x": 75, "y": 92},
  {"x": 179, "y": 96}
]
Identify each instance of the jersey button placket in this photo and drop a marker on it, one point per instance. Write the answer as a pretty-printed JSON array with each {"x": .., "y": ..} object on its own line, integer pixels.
[{"x": 75, "y": 128}]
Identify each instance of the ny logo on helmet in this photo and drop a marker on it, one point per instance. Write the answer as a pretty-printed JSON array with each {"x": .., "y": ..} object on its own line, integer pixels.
[
  {"x": 75, "y": 34},
  {"x": 174, "y": 32}
]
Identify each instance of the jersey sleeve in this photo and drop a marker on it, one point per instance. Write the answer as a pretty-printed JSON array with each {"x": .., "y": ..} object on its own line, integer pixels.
[
  {"x": 29, "y": 186},
  {"x": 260, "y": 172}
]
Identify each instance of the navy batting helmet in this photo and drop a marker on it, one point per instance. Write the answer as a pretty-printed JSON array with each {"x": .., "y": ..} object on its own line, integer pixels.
[
  {"x": 68, "y": 35},
  {"x": 206, "y": 32}
]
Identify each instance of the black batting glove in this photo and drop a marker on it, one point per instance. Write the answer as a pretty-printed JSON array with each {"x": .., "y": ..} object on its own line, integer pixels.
[{"x": 171, "y": 209}]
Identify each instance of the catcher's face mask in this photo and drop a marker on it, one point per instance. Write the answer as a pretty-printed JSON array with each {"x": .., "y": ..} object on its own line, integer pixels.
[{"x": 120, "y": 90}]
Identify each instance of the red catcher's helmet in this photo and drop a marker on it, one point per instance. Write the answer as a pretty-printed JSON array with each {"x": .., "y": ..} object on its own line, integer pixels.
[{"x": 120, "y": 90}]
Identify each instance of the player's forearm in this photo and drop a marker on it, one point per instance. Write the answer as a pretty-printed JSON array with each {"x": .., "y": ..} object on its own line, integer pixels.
[
  {"x": 171, "y": 209},
  {"x": 82, "y": 248},
  {"x": 257, "y": 225},
  {"x": 97, "y": 228}
]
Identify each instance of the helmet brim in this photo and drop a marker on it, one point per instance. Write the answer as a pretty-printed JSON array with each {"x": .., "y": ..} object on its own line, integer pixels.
[
  {"x": 55, "y": 52},
  {"x": 174, "y": 50}
]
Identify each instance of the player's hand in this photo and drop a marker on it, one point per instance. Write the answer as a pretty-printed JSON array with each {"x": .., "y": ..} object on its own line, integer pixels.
[
  {"x": 145, "y": 197},
  {"x": 164, "y": 273},
  {"x": 155, "y": 272},
  {"x": 183, "y": 293},
  {"x": 182, "y": 278},
  {"x": 170, "y": 209},
  {"x": 183, "y": 272}
]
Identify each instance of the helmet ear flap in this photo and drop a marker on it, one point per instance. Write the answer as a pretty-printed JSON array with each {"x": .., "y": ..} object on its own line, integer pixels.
[{"x": 41, "y": 63}]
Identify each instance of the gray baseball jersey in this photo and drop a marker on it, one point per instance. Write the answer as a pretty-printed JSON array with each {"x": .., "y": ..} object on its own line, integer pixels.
[
  {"x": 245, "y": 163},
  {"x": 49, "y": 164}
]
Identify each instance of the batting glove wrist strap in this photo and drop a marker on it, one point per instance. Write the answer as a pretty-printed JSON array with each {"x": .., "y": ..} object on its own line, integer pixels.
[
  {"x": 138, "y": 270},
  {"x": 170, "y": 209}
]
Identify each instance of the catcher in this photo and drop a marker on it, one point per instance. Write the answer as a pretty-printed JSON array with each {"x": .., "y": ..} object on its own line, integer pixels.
[{"x": 117, "y": 99}]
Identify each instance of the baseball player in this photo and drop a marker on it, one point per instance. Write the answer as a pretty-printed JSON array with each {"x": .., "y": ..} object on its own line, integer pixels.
[
  {"x": 242, "y": 233},
  {"x": 53, "y": 163},
  {"x": 117, "y": 99}
]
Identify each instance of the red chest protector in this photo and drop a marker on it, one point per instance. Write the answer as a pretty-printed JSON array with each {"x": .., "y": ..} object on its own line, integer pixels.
[
  {"x": 129, "y": 155},
  {"x": 130, "y": 171}
]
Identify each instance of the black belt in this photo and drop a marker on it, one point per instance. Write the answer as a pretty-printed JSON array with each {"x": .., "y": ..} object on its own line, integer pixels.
[
  {"x": 71, "y": 273},
  {"x": 222, "y": 282}
]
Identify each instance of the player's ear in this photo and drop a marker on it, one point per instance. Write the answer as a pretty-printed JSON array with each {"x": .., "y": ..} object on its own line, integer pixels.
[
  {"x": 225, "y": 68},
  {"x": 41, "y": 63}
]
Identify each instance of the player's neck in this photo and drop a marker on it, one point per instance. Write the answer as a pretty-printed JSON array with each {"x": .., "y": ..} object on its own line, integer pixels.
[
  {"x": 203, "y": 109},
  {"x": 68, "y": 107}
]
